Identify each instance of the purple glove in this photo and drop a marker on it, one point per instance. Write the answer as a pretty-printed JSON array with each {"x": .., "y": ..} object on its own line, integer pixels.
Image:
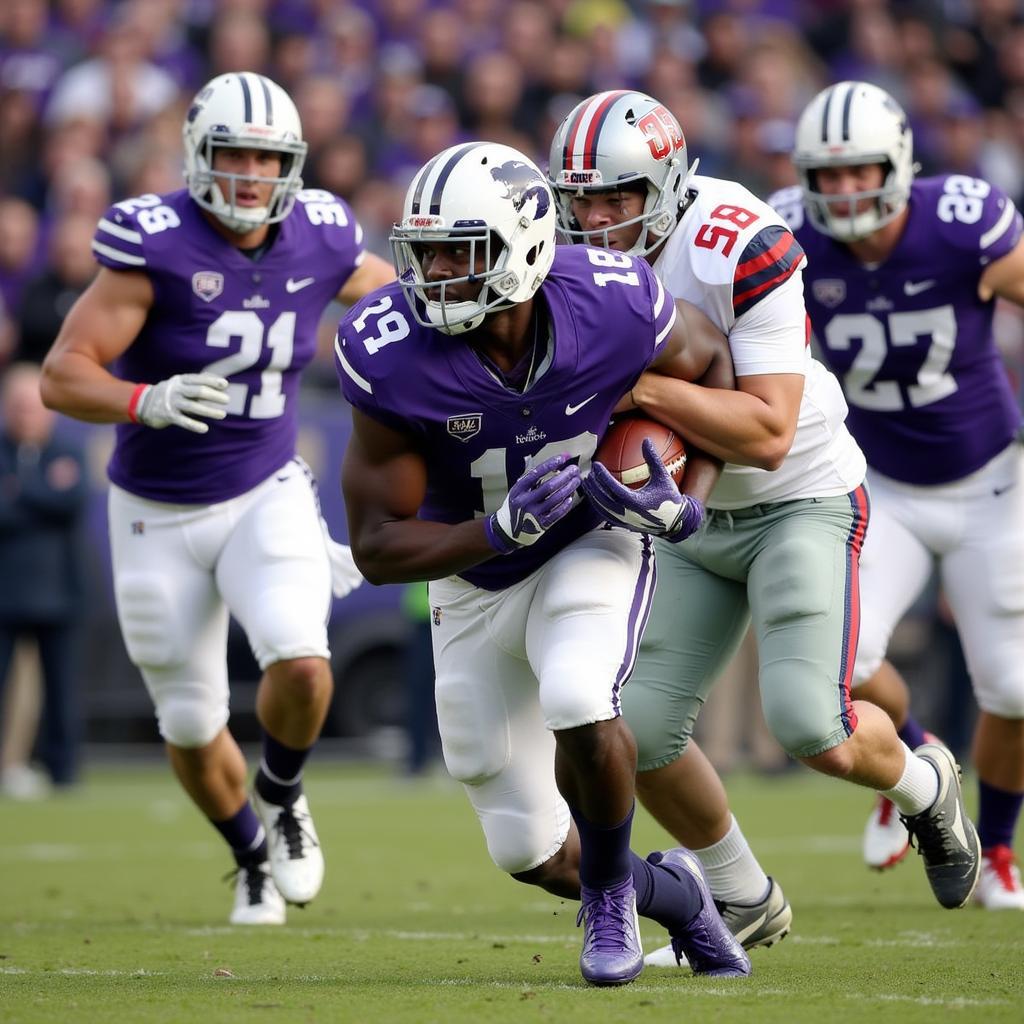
[
  {"x": 537, "y": 500},
  {"x": 657, "y": 507}
]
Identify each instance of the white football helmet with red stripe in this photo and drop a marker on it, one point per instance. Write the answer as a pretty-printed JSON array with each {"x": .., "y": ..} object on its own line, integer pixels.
[
  {"x": 493, "y": 199},
  {"x": 242, "y": 110},
  {"x": 846, "y": 125},
  {"x": 617, "y": 138}
]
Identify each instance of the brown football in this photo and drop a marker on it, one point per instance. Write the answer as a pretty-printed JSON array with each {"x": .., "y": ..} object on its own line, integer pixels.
[{"x": 621, "y": 453}]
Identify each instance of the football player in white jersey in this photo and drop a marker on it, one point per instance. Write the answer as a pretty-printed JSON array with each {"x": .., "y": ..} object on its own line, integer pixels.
[
  {"x": 785, "y": 522},
  {"x": 206, "y": 306},
  {"x": 901, "y": 288}
]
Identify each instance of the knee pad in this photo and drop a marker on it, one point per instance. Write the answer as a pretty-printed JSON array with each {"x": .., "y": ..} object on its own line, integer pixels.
[
  {"x": 144, "y": 609},
  {"x": 280, "y": 630},
  {"x": 188, "y": 719},
  {"x": 469, "y": 718},
  {"x": 999, "y": 688},
  {"x": 802, "y": 727},
  {"x": 519, "y": 843},
  {"x": 662, "y": 723}
]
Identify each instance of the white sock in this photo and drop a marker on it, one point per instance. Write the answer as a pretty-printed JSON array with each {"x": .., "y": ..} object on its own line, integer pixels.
[
  {"x": 732, "y": 869},
  {"x": 918, "y": 787}
]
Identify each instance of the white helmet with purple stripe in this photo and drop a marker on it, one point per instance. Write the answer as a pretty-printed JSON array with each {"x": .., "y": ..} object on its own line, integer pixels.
[
  {"x": 851, "y": 124},
  {"x": 495, "y": 200},
  {"x": 242, "y": 110},
  {"x": 617, "y": 138}
]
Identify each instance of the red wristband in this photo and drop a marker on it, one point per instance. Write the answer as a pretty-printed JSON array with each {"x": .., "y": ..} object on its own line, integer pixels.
[{"x": 133, "y": 402}]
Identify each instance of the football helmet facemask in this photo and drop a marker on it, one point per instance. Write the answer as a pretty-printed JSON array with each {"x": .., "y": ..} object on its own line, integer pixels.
[
  {"x": 851, "y": 124},
  {"x": 616, "y": 138},
  {"x": 495, "y": 200},
  {"x": 242, "y": 111}
]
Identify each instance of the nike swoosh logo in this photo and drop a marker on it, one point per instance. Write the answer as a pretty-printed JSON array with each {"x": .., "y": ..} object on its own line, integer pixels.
[
  {"x": 916, "y": 287},
  {"x": 571, "y": 409},
  {"x": 958, "y": 828},
  {"x": 1001, "y": 490},
  {"x": 745, "y": 933},
  {"x": 291, "y": 285}
]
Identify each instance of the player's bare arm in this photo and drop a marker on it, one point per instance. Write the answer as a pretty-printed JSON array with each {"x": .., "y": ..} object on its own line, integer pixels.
[
  {"x": 100, "y": 326},
  {"x": 384, "y": 479},
  {"x": 372, "y": 273},
  {"x": 1005, "y": 277},
  {"x": 697, "y": 351},
  {"x": 750, "y": 425}
]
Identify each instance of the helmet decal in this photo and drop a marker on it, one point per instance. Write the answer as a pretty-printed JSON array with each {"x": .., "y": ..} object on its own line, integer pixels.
[
  {"x": 491, "y": 199},
  {"x": 523, "y": 181}
]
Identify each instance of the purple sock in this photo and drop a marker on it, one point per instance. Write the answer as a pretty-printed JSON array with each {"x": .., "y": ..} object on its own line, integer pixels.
[
  {"x": 911, "y": 733},
  {"x": 998, "y": 812},
  {"x": 604, "y": 851},
  {"x": 279, "y": 778},
  {"x": 244, "y": 834},
  {"x": 673, "y": 900}
]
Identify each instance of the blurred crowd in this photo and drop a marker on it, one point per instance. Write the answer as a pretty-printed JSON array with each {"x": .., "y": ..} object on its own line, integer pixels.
[{"x": 93, "y": 94}]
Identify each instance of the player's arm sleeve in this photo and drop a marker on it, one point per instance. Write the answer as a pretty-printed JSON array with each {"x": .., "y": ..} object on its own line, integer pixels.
[
  {"x": 117, "y": 242},
  {"x": 357, "y": 388},
  {"x": 997, "y": 230},
  {"x": 660, "y": 310},
  {"x": 770, "y": 333}
]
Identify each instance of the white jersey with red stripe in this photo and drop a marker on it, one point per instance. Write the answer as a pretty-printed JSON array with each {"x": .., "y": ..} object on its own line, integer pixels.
[{"x": 734, "y": 258}]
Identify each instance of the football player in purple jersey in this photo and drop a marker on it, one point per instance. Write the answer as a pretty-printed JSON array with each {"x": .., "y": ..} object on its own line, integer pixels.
[
  {"x": 478, "y": 402},
  {"x": 206, "y": 310},
  {"x": 785, "y": 521},
  {"x": 901, "y": 285}
]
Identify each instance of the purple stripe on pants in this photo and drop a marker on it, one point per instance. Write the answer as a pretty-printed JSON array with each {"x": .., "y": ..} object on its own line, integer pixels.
[{"x": 639, "y": 611}]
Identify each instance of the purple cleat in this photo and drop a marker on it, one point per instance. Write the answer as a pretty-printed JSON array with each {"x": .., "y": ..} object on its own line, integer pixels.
[
  {"x": 612, "y": 954},
  {"x": 708, "y": 944}
]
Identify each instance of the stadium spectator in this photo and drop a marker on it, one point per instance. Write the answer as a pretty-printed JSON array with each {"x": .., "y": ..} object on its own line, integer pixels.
[
  {"x": 42, "y": 498},
  {"x": 117, "y": 87},
  {"x": 20, "y": 250},
  {"x": 48, "y": 297}
]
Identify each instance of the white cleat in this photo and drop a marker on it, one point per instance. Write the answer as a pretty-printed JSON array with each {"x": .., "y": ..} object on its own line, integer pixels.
[
  {"x": 296, "y": 860},
  {"x": 886, "y": 840},
  {"x": 257, "y": 900},
  {"x": 999, "y": 886}
]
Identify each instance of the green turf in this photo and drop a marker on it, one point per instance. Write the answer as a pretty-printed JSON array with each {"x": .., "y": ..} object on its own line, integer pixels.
[{"x": 112, "y": 910}]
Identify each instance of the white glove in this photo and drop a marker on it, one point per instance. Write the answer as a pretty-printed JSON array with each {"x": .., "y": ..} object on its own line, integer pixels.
[
  {"x": 345, "y": 577},
  {"x": 176, "y": 400}
]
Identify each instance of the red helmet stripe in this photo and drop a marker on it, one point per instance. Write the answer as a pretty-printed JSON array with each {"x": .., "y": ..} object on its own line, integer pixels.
[
  {"x": 587, "y": 113},
  {"x": 596, "y": 122}
]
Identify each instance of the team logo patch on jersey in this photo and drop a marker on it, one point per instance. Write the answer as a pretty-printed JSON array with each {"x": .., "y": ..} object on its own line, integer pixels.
[
  {"x": 207, "y": 284},
  {"x": 436, "y": 615},
  {"x": 462, "y": 428},
  {"x": 829, "y": 291}
]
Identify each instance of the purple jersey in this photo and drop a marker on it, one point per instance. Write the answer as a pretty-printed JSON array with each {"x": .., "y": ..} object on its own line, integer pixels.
[
  {"x": 912, "y": 343},
  {"x": 475, "y": 433},
  {"x": 217, "y": 311}
]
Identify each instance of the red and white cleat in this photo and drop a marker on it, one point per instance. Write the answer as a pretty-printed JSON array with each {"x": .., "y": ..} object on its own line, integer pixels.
[
  {"x": 886, "y": 840},
  {"x": 999, "y": 886}
]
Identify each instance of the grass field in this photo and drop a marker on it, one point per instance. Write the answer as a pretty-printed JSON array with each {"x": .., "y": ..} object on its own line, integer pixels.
[{"x": 112, "y": 909}]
